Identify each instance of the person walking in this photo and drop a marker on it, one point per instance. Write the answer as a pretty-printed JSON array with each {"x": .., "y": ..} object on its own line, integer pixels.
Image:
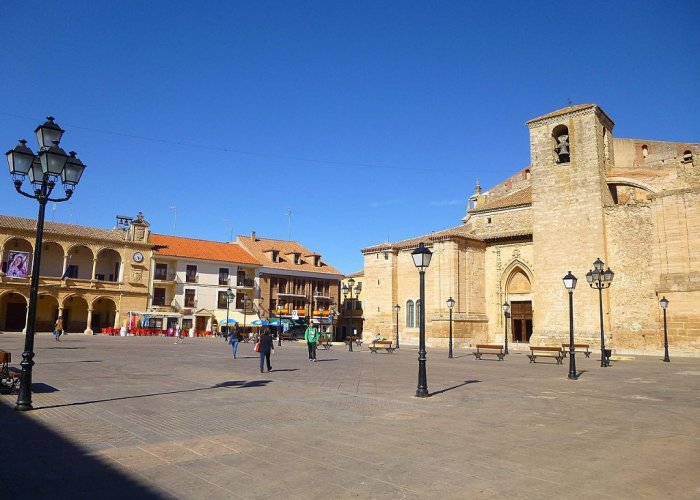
[
  {"x": 58, "y": 329},
  {"x": 267, "y": 347},
  {"x": 234, "y": 341},
  {"x": 311, "y": 337}
]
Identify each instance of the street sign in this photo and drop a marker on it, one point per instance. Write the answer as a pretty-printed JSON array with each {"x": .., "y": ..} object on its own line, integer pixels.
[{"x": 295, "y": 315}]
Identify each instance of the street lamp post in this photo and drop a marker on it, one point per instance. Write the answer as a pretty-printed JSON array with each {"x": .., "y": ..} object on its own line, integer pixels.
[
  {"x": 599, "y": 279},
  {"x": 279, "y": 325},
  {"x": 421, "y": 259},
  {"x": 397, "y": 308},
  {"x": 450, "y": 305},
  {"x": 245, "y": 309},
  {"x": 349, "y": 290},
  {"x": 664, "y": 304},
  {"x": 506, "y": 313},
  {"x": 229, "y": 298},
  {"x": 43, "y": 170},
  {"x": 570, "y": 283}
]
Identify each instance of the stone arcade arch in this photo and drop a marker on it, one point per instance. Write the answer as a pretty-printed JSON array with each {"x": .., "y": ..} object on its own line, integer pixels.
[
  {"x": 13, "y": 311},
  {"x": 46, "y": 312},
  {"x": 518, "y": 286},
  {"x": 103, "y": 314},
  {"x": 75, "y": 314}
]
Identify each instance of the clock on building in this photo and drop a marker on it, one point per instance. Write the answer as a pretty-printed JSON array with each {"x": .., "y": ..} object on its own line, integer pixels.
[{"x": 138, "y": 257}]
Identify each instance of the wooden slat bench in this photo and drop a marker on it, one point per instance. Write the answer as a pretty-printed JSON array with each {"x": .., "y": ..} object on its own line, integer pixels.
[
  {"x": 547, "y": 352},
  {"x": 354, "y": 338},
  {"x": 578, "y": 348},
  {"x": 324, "y": 343},
  {"x": 9, "y": 376},
  {"x": 381, "y": 344},
  {"x": 495, "y": 349}
]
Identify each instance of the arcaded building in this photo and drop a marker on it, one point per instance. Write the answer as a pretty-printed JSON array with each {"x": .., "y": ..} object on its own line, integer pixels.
[
  {"x": 635, "y": 204},
  {"x": 88, "y": 276}
]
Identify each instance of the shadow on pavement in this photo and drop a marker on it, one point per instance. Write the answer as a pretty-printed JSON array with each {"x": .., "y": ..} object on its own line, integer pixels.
[
  {"x": 324, "y": 360},
  {"x": 38, "y": 463},
  {"x": 455, "y": 386},
  {"x": 221, "y": 385}
]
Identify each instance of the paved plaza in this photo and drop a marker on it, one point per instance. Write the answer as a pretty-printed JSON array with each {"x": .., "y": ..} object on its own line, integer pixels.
[{"x": 142, "y": 417}]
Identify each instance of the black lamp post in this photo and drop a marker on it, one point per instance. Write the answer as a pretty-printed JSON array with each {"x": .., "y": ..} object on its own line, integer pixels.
[
  {"x": 421, "y": 259},
  {"x": 506, "y": 313},
  {"x": 600, "y": 279},
  {"x": 229, "y": 299},
  {"x": 570, "y": 283},
  {"x": 43, "y": 170},
  {"x": 279, "y": 325},
  {"x": 349, "y": 290},
  {"x": 397, "y": 308},
  {"x": 664, "y": 304},
  {"x": 246, "y": 301},
  {"x": 450, "y": 305}
]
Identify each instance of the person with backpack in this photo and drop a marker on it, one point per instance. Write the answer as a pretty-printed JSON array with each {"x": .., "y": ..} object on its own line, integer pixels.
[{"x": 311, "y": 336}]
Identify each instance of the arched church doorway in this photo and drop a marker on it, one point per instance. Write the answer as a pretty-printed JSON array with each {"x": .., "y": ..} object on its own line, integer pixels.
[
  {"x": 521, "y": 321},
  {"x": 520, "y": 295}
]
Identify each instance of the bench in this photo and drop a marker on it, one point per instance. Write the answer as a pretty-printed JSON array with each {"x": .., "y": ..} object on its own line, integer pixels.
[
  {"x": 354, "y": 338},
  {"x": 287, "y": 336},
  {"x": 9, "y": 376},
  {"x": 547, "y": 352},
  {"x": 324, "y": 342},
  {"x": 587, "y": 351},
  {"x": 495, "y": 349},
  {"x": 381, "y": 344}
]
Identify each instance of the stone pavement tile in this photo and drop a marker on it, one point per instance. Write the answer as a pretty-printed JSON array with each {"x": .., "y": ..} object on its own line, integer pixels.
[
  {"x": 235, "y": 442},
  {"x": 132, "y": 457},
  {"x": 183, "y": 481},
  {"x": 171, "y": 452},
  {"x": 263, "y": 482}
]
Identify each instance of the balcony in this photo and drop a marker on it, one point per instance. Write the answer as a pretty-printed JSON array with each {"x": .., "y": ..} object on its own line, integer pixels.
[
  {"x": 168, "y": 276},
  {"x": 245, "y": 282}
]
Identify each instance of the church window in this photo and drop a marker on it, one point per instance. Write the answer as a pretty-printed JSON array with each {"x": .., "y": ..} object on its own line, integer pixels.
[
  {"x": 488, "y": 220},
  {"x": 410, "y": 314}
]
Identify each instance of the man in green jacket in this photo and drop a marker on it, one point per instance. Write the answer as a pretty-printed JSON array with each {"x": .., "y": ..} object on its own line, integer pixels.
[{"x": 311, "y": 337}]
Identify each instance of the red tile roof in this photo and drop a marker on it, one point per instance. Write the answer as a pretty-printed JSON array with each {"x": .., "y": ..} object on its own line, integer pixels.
[
  {"x": 516, "y": 199},
  {"x": 258, "y": 247},
  {"x": 175, "y": 246},
  {"x": 90, "y": 233}
]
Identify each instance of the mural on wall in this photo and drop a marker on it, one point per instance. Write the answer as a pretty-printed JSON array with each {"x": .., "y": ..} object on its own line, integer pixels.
[{"x": 17, "y": 266}]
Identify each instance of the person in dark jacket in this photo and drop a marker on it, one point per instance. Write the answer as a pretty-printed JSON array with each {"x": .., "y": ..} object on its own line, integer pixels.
[{"x": 267, "y": 347}]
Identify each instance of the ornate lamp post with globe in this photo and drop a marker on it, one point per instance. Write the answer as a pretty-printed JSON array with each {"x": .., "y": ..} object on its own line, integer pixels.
[
  {"x": 397, "y": 308},
  {"x": 599, "y": 279},
  {"x": 570, "y": 284},
  {"x": 421, "y": 259},
  {"x": 450, "y": 305},
  {"x": 664, "y": 305},
  {"x": 43, "y": 169}
]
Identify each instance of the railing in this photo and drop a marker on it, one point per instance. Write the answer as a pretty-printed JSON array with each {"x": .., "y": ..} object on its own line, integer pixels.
[
  {"x": 168, "y": 276},
  {"x": 191, "y": 278},
  {"x": 224, "y": 281},
  {"x": 246, "y": 282}
]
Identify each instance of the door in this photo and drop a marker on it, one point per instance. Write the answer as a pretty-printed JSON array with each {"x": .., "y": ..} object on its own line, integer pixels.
[
  {"x": 16, "y": 316},
  {"x": 521, "y": 321}
]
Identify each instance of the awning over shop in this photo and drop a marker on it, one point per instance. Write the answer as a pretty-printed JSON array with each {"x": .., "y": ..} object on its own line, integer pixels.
[{"x": 249, "y": 318}]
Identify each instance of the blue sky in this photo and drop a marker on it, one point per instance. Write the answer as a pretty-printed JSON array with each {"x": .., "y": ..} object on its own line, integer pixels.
[{"x": 371, "y": 120}]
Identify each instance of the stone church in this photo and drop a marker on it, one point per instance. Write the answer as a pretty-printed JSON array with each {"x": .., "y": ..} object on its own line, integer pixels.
[{"x": 634, "y": 204}]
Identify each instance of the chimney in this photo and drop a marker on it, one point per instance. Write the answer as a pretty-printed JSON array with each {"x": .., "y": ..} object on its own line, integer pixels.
[{"x": 252, "y": 235}]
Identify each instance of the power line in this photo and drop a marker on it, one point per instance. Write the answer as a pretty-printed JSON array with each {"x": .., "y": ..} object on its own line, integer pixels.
[{"x": 244, "y": 152}]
